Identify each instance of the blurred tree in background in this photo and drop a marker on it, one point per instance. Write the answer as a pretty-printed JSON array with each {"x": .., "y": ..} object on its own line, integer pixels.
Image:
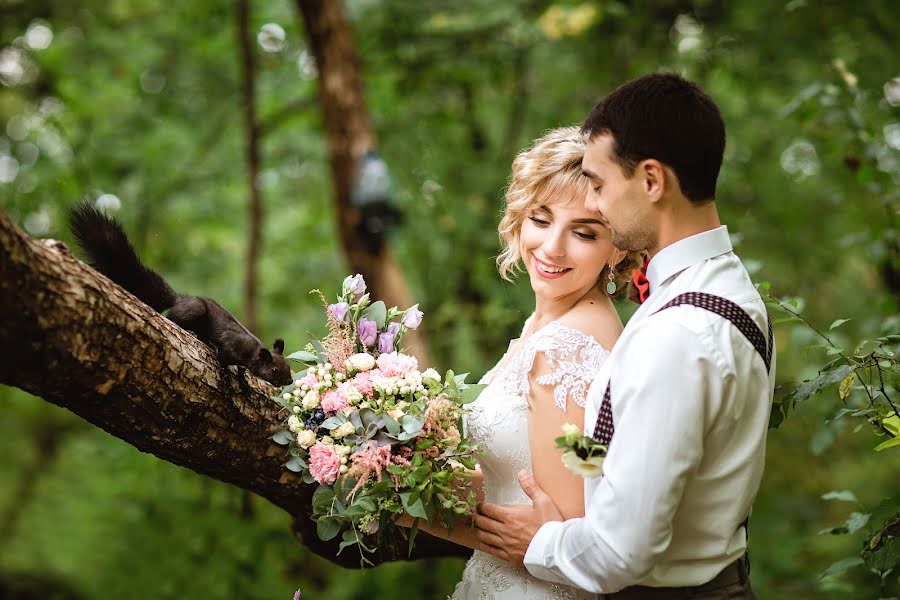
[{"x": 140, "y": 107}]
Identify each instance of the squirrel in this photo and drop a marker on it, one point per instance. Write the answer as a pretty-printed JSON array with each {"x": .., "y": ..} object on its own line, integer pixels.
[{"x": 110, "y": 252}]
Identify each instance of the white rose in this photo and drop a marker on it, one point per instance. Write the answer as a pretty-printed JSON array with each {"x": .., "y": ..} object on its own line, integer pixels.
[
  {"x": 431, "y": 374},
  {"x": 591, "y": 467},
  {"x": 286, "y": 396},
  {"x": 294, "y": 423},
  {"x": 361, "y": 362},
  {"x": 310, "y": 400},
  {"x": 306, "y": 438},
  {"x": 342, "y": 430}
]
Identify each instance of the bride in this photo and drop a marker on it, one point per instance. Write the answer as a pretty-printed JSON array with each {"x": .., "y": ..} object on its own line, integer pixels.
[{"x": 542, "y": 380}]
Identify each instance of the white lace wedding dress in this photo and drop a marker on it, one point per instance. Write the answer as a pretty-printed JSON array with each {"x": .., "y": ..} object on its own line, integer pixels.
[{"x": 498, "y": 423}]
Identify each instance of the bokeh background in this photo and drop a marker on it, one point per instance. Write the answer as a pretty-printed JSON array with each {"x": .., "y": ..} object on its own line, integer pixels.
[{"x": 139, "y": 106}]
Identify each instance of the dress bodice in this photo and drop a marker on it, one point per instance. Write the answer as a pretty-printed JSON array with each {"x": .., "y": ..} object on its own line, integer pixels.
[{"x": 498, "y": 422}]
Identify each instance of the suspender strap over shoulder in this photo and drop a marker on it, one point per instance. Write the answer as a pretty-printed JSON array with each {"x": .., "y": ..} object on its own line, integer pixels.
[{"x": 604, "y": 429}]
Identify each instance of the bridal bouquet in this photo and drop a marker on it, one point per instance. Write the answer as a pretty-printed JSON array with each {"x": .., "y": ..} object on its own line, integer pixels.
[{"x": 380, "y": 438}]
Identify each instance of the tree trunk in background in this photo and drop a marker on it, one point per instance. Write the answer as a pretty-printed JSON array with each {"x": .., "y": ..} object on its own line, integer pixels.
[
  {"x": 251, "y": 153},
  {"x": 350, "y": 134},
  {"x": 76, "y": 339},
  {"x": 255, "y": 210}
]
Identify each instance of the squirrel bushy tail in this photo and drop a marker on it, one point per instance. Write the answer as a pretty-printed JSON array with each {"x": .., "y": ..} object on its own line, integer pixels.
[{"x": 110, "y": 252}]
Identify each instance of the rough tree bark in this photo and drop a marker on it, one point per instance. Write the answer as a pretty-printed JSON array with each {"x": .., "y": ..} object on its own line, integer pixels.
[
  {"x": 73, "y": 337},
  {"x": 349, "y": 133}
]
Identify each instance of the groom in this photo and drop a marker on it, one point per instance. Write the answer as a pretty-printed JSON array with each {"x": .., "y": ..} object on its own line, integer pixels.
[{"x": 684, "y": 399}]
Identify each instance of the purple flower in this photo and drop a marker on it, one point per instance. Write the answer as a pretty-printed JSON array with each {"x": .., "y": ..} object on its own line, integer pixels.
[
  {"x": 367, "y": 330},
  {"x": 297, "y": 595},
  {"x": 393, "y": 329},
  {"x": 386, "y": 343},
  {"x": 355, "y": 285},
  {"x": 338, "y": 311},
  {"x": 413, "y": 317}
]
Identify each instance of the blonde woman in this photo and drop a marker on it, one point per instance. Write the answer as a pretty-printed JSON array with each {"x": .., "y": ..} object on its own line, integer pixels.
[{"x": 542, "y": 381}]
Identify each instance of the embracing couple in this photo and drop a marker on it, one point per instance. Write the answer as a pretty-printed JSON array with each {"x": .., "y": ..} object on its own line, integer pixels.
[{"x": 681, "y": 395}]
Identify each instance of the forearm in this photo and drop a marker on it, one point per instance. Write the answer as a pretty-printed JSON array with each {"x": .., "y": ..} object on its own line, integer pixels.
[{"x": 462, "y": 532}]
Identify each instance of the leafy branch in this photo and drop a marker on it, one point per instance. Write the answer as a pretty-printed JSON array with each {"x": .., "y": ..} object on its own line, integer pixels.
[{"x": 870, "y": 360}]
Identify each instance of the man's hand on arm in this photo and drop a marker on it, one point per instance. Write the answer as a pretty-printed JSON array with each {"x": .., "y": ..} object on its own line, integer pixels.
[{"x": 506, "y": 531}]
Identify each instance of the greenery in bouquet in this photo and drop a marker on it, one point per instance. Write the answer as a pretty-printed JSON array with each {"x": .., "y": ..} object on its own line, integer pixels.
[
  {"x": 378, "y": 437},
  {"x": 582, "y": 455}
]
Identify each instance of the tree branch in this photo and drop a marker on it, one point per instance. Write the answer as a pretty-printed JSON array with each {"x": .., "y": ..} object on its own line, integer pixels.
[{"x": 76, "y": 339}]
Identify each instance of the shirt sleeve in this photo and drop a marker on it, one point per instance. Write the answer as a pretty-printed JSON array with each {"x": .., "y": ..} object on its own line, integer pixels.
[{"x": 663, "y": 379}]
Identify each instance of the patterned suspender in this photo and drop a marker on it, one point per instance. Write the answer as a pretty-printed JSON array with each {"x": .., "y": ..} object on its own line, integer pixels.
[{"x": 604, "y": 429}]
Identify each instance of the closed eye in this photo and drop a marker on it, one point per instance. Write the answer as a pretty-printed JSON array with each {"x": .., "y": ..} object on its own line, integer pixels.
[
  {"x": 586, "y": 236},
  {"x": 539, "y": 222}
]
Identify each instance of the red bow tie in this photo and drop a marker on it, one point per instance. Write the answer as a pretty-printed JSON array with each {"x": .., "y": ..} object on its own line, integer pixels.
[{"x": 640, "y": 285}]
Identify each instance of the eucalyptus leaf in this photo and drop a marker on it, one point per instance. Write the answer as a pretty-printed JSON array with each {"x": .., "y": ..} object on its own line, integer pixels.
[
  {"x": 322, "y": 499},
  {"x": 296, "y": 464},
  {"x": 327, "y": 528},
  {"x": 283, "y": 437},
  {"x": 302, "y": 356},
  {"x": 333, "y": 422},
  {"x": 412, "y": 424},
  {"x": 392, "y": 426},
  {"x": 377, "y": 312}
]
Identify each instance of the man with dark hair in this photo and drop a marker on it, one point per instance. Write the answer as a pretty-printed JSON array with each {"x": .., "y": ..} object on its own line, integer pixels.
[{"x": 683, "y": 402}]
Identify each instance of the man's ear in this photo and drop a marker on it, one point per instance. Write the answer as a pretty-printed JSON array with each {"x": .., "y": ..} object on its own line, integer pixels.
[{"x": 654, "y": 178}]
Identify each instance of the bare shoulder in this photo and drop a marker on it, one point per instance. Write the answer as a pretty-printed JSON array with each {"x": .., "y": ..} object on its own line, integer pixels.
[{"x": 597, "y": 319}]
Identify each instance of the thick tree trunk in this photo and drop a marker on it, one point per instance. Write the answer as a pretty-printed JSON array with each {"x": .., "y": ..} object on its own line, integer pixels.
[
  {"x": 76, "y": 339},
  {"x": 350, "y": 134}
]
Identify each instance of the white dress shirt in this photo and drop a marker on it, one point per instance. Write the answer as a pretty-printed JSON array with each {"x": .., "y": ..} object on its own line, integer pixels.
[{"x": 690, "y": 402}]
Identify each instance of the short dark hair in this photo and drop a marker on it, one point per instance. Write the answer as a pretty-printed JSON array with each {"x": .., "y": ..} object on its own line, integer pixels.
[{"x": 665, "y": 117}]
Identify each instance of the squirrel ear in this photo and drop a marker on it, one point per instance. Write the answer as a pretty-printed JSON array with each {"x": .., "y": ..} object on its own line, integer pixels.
[
  {"x": 265, "y": 355},
  {"x": 278, "y": 346}
]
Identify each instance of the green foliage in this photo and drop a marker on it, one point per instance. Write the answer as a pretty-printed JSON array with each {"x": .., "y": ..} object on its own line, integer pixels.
[{"x": 140, "y": 100}]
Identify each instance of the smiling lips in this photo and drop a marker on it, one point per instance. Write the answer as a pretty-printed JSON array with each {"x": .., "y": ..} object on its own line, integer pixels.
[{"x": 548, "y": 271}]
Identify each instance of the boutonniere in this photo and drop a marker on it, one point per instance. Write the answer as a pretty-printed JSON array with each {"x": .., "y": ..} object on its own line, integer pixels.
[{"x": 582, "y": 455}]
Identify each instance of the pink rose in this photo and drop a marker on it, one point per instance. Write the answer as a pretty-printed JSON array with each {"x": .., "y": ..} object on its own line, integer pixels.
[
  {"x": 324, "y": 463},
  {"x": 334, "y": 400}
]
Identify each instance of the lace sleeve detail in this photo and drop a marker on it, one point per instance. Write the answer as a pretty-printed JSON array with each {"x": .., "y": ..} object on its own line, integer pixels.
[{"x": 574, "y": 359}]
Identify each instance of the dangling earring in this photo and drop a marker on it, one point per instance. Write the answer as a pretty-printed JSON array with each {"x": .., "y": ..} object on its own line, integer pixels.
[{"x": 610, "y": 285}]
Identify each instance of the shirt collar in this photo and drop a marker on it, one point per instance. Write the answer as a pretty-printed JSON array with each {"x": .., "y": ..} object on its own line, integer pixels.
[{"x": 677, "y": 257}]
